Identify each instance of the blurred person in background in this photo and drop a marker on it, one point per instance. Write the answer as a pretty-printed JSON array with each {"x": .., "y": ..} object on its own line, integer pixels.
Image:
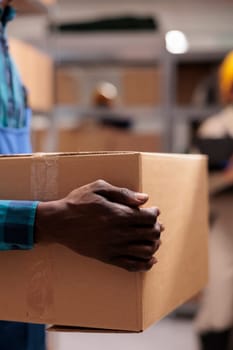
[
  {"x": 22, "y": 224},
  {"x": 104, "y": 99},
  {"x": 214, "y": 320}
]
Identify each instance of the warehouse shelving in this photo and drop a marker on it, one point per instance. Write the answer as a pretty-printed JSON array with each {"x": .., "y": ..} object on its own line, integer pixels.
[
  {"x": 147, "y": 50},
  {"x": 151, "y": 54},
  {"x": 104, "y": 50},
  {"x": 170, "y": 110}
]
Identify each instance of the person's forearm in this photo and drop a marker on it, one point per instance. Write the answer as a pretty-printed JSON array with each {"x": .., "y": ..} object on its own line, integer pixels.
[{"x": 17, "y": 219}]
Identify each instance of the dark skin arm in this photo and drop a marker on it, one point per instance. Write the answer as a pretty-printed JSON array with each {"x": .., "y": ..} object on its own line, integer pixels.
[{"x": 103, "y": 222}]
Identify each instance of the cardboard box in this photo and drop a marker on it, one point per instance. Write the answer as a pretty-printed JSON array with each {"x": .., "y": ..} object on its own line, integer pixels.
[
  {"x": 29, "y": 7},
  {"x": 141, "y": 86},
  {"x": 85, "y": 139},
  {"x": 36, "y": 69},
  {"x": 67, "y": 87},
  {"x": 97, "y": 138},
  {"x": 39, "y": 139},
  {"x": 53, "y": 285},
  {"x": 137, "y": 141}
]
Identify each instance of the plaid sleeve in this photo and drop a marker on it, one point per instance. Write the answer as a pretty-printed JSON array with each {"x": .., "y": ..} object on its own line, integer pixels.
[{"x": 17, "y": 224}]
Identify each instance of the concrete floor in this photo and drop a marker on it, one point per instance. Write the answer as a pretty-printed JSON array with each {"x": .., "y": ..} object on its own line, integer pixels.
[{"x": 169, "y": 334}]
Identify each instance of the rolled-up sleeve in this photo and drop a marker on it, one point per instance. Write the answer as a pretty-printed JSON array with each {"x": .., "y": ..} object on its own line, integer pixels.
[{"x": 17, "y": 219}]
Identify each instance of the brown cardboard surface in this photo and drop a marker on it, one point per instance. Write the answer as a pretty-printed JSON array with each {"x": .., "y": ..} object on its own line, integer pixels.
[
  {"x": 36, "y": 69},
  {"x": 28, "y": 7},
  {"x": 107, "y": 139},
  {"x": 57, "y": 286},
  {"x": 39, "y": 139},
  {"x": 141, "y": 86},
  {"x": 83, "y": 139},
  {"x": 182, "y": 215},
  {"x": 67, "y": 87}
]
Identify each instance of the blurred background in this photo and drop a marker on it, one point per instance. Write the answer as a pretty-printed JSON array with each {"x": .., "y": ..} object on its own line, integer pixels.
[
  {"x": 156, "y": 57},
  {"x": 126, "y": 75}
]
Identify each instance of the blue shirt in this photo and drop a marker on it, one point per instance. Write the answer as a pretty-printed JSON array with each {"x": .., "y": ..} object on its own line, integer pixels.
[
  {"x": 16, "y": 217},
  {"x": 12, "y": 91}
]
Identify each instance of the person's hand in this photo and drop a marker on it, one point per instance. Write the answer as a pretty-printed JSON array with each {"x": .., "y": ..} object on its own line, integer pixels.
[{"x": 103, "y": 222}]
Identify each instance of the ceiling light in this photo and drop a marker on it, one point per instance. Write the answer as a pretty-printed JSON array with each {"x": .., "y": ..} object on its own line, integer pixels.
[{"x": 176, "y": 42}]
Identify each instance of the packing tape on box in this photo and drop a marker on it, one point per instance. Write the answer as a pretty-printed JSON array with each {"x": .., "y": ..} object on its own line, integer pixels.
[{"x": 44, "y": 177}]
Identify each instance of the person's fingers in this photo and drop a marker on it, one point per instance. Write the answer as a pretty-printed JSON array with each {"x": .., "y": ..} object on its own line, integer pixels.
[
  {"x": 133, "y": 264},
  {"x": 130, "y": 235},
  {"x": 159, "y": 229},
  {"x": 145, "y": 216},
  {"x": 118, "y": 194},
  {"x": 142, "y": 251},
  {"x": 134, "y": 216}
]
